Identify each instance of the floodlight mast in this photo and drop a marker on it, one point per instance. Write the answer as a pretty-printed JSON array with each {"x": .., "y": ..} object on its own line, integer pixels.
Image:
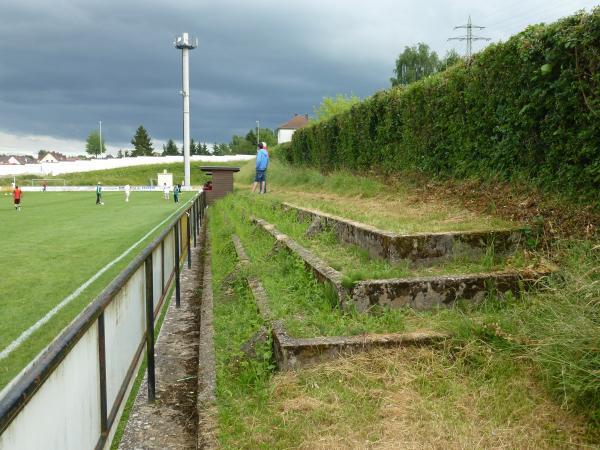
[{"x": 185, "y": 45}]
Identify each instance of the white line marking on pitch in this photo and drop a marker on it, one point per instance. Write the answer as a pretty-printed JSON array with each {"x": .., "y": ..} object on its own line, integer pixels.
[{"x": 27, "y": 333}]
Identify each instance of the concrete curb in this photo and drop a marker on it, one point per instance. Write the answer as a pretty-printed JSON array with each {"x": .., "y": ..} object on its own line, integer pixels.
[
  {"x": 293, "y": 353},
  {"x": 206, "y": 404},
  {"x": 260, "y": 296},
  {"x": 419, "y": 248}
]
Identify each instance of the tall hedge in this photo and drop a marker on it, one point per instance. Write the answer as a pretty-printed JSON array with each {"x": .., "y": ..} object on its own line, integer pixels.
[{"x": 528, "y": 108}]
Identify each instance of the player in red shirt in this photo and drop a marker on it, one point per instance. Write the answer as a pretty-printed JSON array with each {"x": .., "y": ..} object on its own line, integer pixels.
[{"x": 17, "y": 197}]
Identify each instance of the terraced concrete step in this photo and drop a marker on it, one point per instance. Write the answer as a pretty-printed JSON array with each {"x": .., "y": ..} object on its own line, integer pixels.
[
  {"x": 421, "y": 248},
  {"x": 420, "y": 293}
]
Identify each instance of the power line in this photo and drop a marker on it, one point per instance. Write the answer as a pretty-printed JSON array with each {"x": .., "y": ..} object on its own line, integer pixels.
[
  {"x": 517, "y": 8},
  {"x": 530, "y": 14},
  {"x": 469, "y": 37}
]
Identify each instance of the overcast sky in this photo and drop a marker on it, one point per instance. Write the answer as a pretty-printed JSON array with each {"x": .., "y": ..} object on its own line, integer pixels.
[{"x": 67, "y": 64}]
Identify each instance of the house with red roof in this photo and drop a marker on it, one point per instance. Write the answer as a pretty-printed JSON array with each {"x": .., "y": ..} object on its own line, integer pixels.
[{"x": 286, "y": 131}]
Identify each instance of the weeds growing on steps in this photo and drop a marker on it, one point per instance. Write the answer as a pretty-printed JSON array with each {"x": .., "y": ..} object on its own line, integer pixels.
[
  {"x": 553, "y": 331},
  {"x": 465, "y": 392}
]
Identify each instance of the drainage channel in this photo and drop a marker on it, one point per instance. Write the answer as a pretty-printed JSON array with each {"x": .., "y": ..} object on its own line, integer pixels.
[{"x": 171, "y": 421}]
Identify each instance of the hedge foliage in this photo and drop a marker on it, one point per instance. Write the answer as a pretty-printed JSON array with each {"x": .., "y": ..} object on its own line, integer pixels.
[{"x": 525, "y": 109}]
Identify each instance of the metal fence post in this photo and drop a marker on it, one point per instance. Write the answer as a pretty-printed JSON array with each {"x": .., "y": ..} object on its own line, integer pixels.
[
  {"x": 187, "y": 242},
  {"x": 177, "y": 286},
  {"x": 102, "y": 365},
  {"x": 195, "y": 214},
  {"x": 198, "y": 215},
  {"x": 150, "y": 330},
  {"x": 162, "y": 267}
]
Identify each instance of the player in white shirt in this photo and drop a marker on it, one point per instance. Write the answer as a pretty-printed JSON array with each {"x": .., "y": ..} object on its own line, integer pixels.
[
  {"x": 166, "y": 191},
  {"x": 127, "y": 189}
]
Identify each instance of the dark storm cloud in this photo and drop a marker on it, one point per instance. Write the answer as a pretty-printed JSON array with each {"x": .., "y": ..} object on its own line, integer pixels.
[{"x": 66, "y": 64}]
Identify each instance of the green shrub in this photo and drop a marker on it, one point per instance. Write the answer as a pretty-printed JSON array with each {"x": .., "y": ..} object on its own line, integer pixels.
[{"x": 526, "y": 109}]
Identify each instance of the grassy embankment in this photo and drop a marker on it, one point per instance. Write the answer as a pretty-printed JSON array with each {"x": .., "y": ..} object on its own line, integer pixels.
[
  {"x": 514, "y": 364},
  {"x": 56, "y": 243},
  {"x": 386, "y": 204}
]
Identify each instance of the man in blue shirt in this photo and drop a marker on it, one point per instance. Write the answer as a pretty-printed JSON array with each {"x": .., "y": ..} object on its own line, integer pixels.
[{"x": 262, "y": 162}]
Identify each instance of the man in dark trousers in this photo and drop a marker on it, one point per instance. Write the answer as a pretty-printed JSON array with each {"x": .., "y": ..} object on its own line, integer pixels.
[
  {"x": 262, "y": 162},
  {"x": 17, "y": 198},
  {"x": 99, "y": 194}
]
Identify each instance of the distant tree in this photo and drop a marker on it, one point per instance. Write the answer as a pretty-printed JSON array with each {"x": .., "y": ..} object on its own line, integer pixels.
[
  {"x": 193, "y": 148},
  {"x": 142, "y": 143},
  {"x": 170, "y": 148},
  {"x": 247, "y": 145},
  {"x": 451, "y": 58},
  {"x": 204, "y": 149},
  {"x": 251, "y": 137},
  {"x": 92, "y": 146},
  {"x": 330, "y": 106},
  {"x": 221, "y": 149},
  {"x": 127, "y": 154},
  {"x": 265, "y": 135},
  {"x": 415, "y": 63},
  {"x": 241, "y": 146},
  {"x": 41, "y": 154},
  {"x": 120, "y": 153}
]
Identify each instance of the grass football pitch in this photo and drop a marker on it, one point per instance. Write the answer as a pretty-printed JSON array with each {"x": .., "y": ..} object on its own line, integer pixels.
[{"x": 55, "y": 244}]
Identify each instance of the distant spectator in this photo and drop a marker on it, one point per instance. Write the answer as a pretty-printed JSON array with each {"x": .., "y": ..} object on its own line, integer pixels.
[
  {"x": 262, "y": 163},
  {"x": 176, "y": 191},
  {"x": 207, "y": 186}
]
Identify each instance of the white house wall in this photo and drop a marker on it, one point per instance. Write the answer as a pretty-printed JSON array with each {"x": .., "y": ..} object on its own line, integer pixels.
[{"x": 284, "y": 135}]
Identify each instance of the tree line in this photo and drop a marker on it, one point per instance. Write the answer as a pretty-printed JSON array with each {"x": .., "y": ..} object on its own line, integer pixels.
[{"x": 142, "y": 145}]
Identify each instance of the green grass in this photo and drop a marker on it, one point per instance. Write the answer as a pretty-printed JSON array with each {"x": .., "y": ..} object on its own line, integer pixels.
[
  {"x": 284, "y": 175},
  {"x": 134, "y": 175},
  {"x": 53, "y": 245},
  {"x": 368, "y": 200},
  {"x": 242, "y": 384},
  {"x": 307, "y": 307},
  {"x": 514, "y": 364}
]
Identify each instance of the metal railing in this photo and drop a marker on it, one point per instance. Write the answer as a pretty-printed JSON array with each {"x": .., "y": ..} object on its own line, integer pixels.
[{"x": 72, "y": 396}]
